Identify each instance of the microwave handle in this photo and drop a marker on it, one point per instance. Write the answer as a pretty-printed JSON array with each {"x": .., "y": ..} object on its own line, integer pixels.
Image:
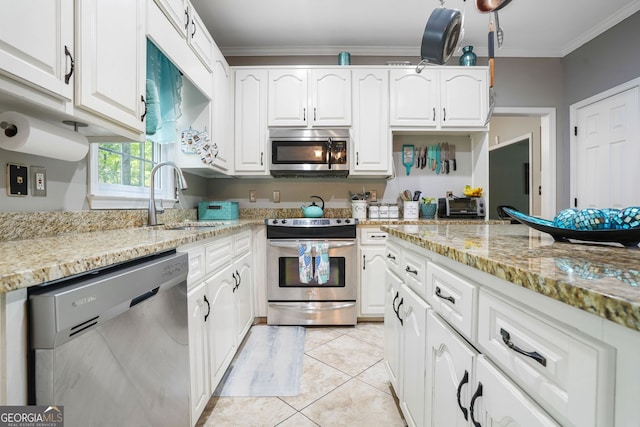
[{"x": 329, "y": 148}]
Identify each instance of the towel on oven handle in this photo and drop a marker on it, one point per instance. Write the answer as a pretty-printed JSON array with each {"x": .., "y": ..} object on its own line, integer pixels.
[
  {"x": 322, "y": 263},
  {"x": 305, "y": 268}
]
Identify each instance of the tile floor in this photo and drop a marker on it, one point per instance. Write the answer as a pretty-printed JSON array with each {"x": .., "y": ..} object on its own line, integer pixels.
[{"x": 344, "y": 383}]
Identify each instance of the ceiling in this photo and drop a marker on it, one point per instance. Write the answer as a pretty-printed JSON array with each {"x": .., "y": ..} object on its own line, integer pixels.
[{"x": 532, "y": 28}]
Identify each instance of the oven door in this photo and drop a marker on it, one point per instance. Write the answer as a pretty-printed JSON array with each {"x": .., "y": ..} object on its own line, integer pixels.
[{"x": 283, "y": 272}]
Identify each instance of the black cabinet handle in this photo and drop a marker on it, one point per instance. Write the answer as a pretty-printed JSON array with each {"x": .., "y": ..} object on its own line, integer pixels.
[
  {"x": 261, "y": 158},
  {"x": 393, "y": 304},
  {"x": 193, "y": 23},
  {"x": 72, "y": 65},
  {"x": 145, "y": 108},
  {"x": 434, "y": 114},
  {"x": 239, "y": 279},
  {"x": 444, "y": 114},
  {"x": 465, "y": 380},
  {"x": 208, "y": 308},
  {"x": 186, "y": 19},
  {"x": 314, "y": 114},
  {"x": 235, "y": 281},
  {"x": 364, "y": 262},
  {"x": 476, "y": 395},
  {"x": 449, "y": 298},
  {"x": 409, "y": 270},
  {"x": 391, "y": 257},
  {"x": 357, "y": 158},
  {"x": 304, "y": 114},
  {"x": 506, "y": 338},
  {"x": 398, "y": 311}
]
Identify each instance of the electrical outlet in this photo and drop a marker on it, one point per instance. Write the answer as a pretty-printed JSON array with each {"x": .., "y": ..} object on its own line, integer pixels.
[
  {"x": 276, "y": 196},
  {"x": 449, "y": 194},
  {"x": 17, "y": 181},
  {"x": 373, "y": 196},
  {"x": 39, "y": 180},
  {"x": 252, "y": 196}
]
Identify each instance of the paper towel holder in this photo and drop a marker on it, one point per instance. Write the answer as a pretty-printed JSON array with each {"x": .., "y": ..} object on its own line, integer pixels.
[{"x": 75, "y": 124}]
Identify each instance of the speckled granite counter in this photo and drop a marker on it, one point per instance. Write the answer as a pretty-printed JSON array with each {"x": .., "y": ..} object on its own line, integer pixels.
[
  {"x": 601, "y": 279},
  {"x": 30, "y": 262}
]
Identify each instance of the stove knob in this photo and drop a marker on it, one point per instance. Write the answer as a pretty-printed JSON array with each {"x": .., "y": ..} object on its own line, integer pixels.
[
  {"x": 284, "y": 221},
  {"x": 347, "y": 220},
  {"x": 338, "y": 221},
  {"x": 275, "y": 221}
]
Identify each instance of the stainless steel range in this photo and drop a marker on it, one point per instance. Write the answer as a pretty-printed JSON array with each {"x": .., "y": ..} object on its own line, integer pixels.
[{"x": 311, "y": 273}]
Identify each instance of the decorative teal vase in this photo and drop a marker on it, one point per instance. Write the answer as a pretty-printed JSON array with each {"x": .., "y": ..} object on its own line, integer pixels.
[
  {"x": 468, "y": 58},
  {"x": 428, "y": 210}
]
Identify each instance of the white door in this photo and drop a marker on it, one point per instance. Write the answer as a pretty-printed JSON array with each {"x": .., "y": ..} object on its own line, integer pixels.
[
  {"x": 413, "y": 312},
  {"x": 288, "y": 98},
  {"x": 199, "y": 315},
  {"x": 243, "y": 295},
  {"x": 199, "y": 38},
  {"x": 371, "y": 138},
  {"x": 111, "y": 60},
  {"x": 220, "y": 115},
  {"x": 330, "y": 97},
  {"x": 463, "y": 98},
  {"x": 607, "y": 149},
  {"x": 450, "y": 362},
  {"x": 250, "y": 121},
  {"x": 176, "y": 12},
  {"x": 222, "y": 338},
  {"x": 414, "y": 98},
  {"x": 392, "y": 330},
  {"x": 372, "y": 288},
  {"x": 36, "y": 43}
]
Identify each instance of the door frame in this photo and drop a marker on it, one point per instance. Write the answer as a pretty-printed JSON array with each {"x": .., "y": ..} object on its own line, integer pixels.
[
  {"x": 573, "y": 121},
  {"x": 548, "y": 152},
  {"x": 529, "y": 138}
]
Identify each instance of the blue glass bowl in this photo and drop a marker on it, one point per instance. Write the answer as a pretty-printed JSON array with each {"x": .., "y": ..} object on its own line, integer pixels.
[{"x": 626, "y": 237}]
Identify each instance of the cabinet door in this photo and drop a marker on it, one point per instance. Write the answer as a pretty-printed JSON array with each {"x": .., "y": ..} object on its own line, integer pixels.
[
  {"x": 464, "y": 98},
  {"x": 371, "y": 136},
  {"x": 111, "y": 60},
  {"x": 413, "y": 312},
  {"x": 392, "y": 329},
  {"x": 330, "y": 97},
  {"x": 414, "y": 98},
  {"x": 450, "y": 369},
  {"x": 34, "y": 38},
  {"x": 199, "y": 38},
  {"x": 372, "y": 268},
  {"x": 243, "y": 296},
  {"x": 176, "y": 12},
  {"x": 288, "y": 97},
  {"x": 199, "y": 313},
  {"x": 251, "y": 121},
  {"x": 222, "y": 336},
  {"x": 220, "y": 117},
  {"x": 497, "y": 401}
]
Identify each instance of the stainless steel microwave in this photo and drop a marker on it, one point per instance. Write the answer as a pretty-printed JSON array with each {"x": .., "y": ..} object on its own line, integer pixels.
[{"x": 309, "y": 152}]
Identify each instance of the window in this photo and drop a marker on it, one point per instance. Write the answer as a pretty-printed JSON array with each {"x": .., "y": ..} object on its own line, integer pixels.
[{"x": 121, "y": 174}]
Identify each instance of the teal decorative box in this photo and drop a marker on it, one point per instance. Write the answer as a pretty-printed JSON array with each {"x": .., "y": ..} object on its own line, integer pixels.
[{"x": 218, "y": 210}]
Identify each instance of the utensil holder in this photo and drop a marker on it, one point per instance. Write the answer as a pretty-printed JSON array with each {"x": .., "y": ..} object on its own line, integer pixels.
[
  {"x": 428, "y": 210},
  {"x": 359, "y": 209}
]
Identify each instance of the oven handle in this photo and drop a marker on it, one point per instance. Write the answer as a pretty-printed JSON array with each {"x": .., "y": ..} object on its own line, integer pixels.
[
  {"x": 293, "y": 244},
  {"x": 307, "y": 309}
]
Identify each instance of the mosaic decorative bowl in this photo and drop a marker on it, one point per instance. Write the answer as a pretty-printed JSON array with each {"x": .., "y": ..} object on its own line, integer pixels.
[{"x": 565, "y": 226}]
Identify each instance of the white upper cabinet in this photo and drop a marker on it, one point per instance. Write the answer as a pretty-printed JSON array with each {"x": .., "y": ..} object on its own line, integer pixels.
[
  {"x": 111, "y": 60},
  {"x": 439, "y": 98},
  {"x": 251, "y": 122},
  {"x": 221, "y": 117},
  {"x": 300, "y": 97},
  {"x": 187, "y": 22},
  {"x": 37, "y": 46},
  {"x": 372, "y": 148}
]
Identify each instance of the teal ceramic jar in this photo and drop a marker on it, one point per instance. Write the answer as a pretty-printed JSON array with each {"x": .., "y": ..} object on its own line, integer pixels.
[{"x": 468, "y": 58}]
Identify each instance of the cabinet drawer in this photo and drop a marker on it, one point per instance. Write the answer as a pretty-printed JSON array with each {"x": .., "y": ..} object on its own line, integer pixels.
[
  {"x": 453, "y": 298},
  {"x": 241, "y": 243},
  {"x": 570, "y": 375},
  {"x": 414, "y": 268},
  {"x": 392, "y": 256},
  {"x": 218, "y": 255},
  {"x": 372, "y": 236}
]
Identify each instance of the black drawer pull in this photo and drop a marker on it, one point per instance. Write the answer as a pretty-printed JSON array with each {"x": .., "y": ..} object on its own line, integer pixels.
[
  {"x": 391, "y": 257},
  {"x": 465, "y": 380},
  {"x": 506, "y": 338},
  {"x": 398, "y": 311},
  {"x": 449, "y": 298},
  {"x": 476, "y": 395},
  {"x": 409, "y": 270}
]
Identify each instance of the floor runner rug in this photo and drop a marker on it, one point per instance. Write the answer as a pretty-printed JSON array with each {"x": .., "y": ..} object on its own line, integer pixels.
[{"x": 269, "y": 363}]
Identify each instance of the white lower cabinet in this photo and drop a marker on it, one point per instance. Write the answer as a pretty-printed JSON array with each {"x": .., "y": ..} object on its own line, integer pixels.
[
  {"x": 465, "y": 355},
  {"x": 372, "y": 265},
  {"x": 412, "y": 311},
  {"x": 220, "y": 302}
]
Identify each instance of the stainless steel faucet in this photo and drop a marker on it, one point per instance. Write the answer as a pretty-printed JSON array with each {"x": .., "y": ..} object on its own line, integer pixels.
[{"x": 182, "y": 184}]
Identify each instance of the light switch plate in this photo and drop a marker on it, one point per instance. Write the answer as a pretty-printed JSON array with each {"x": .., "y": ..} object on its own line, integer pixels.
[
  {"x": 276, "y": 196},
  {"x": 39, "y": 181},
  {"x": 252, "y": 196},
  {"x": 373, "y": 196},
  {"x": 17, "y": 181}
]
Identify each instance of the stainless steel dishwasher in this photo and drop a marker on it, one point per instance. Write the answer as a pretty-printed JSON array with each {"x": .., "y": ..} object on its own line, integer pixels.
[{"x": 112, "y": 345}]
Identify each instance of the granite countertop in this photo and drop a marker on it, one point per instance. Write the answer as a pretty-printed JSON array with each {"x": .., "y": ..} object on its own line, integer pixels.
[
  {"x": 30, "y": 262},
  {"x": 601, "y": 279}
]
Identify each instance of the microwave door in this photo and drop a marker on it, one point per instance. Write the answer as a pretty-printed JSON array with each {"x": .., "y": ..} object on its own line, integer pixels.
[
  {"x": 296, "y": 153},
  {"x": 329, "y": 152}
]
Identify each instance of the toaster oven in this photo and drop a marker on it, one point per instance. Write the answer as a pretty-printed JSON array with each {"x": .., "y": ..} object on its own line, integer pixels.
[{"x": 461, "y": 207}]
